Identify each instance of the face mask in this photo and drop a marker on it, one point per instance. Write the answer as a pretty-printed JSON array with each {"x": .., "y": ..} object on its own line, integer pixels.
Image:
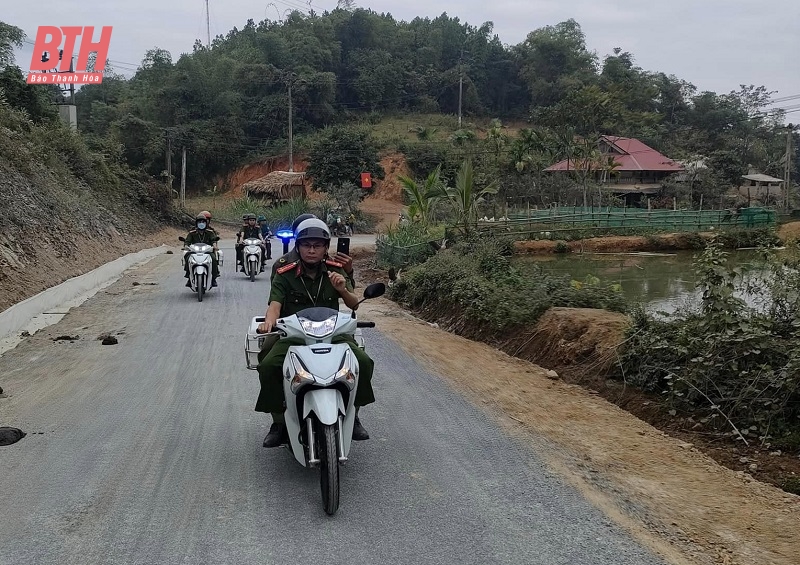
[{"x": 201, "y": 225}]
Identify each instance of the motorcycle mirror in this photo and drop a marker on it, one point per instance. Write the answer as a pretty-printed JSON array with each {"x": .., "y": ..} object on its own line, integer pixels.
[
  {"x": 216, "y": 239},
  {"x": 181, "y": 238},
  {"x": 374, "y": 290}
]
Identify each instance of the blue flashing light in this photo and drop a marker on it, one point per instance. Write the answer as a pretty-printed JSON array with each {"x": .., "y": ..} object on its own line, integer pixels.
[{"x": 285, "y": 234}]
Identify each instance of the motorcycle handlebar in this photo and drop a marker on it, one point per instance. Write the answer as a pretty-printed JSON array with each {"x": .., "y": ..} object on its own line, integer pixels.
[{"x": 358, "y": 324}]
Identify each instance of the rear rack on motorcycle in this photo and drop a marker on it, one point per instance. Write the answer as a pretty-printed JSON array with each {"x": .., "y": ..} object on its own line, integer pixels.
[{"x": 255, "y": 342}]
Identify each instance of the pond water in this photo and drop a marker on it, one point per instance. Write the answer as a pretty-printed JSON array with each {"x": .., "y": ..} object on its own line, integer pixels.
[{"x": 660, "y": 281}]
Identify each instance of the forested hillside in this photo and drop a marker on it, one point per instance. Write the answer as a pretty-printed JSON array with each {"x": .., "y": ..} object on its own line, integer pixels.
[{"x": 229, "y": 104}]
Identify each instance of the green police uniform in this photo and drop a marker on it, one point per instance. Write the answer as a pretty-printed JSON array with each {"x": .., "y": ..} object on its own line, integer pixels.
[
  {"x": 248, "y": 232},
  {"x": 293, "y": 256},
  {"x": 296, "y": 291},
  {"x": 208, "y": 236}
]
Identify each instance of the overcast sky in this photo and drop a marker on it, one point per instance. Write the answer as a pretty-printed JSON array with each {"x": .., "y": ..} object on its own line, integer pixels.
[{"x": 714, "y": 44}]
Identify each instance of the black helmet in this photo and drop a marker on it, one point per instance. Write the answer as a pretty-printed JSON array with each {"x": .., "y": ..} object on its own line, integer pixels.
[
  {"x": 301, "y": 218},
  {"x": 201, "y": 218}
]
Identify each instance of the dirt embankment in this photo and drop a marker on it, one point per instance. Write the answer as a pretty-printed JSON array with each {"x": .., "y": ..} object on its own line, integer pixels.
[
  {"x": 615, "y": 244},
  {"x": 231, "y": 184},
  {"x": 663, "y": 489},
  {"x": 385, "y": 202},
  {"x": 691, "y": 495},
  {"x": 788, "y": 233},
  {"x": 55, "y": 226}
]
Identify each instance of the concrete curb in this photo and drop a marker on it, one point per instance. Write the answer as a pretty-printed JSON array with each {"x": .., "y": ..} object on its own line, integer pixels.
[{"x": 51, "y": 305}]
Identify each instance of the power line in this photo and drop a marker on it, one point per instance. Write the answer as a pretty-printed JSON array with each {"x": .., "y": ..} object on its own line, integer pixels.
[{"x": 785, "y": 99}]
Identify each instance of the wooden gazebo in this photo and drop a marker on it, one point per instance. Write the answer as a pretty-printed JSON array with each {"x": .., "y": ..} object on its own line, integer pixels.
[{"x": 277, "y": 186}]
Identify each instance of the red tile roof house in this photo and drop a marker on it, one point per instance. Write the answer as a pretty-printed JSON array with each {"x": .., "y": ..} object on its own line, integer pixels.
[{"x": 640, "y": 169}]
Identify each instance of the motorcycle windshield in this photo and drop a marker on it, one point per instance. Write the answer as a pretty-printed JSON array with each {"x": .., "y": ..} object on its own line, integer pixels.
[{"x": 317, "y": 314}]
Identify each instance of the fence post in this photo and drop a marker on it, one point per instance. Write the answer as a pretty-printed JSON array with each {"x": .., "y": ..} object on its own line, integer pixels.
[{"x": 530, "y": 226}]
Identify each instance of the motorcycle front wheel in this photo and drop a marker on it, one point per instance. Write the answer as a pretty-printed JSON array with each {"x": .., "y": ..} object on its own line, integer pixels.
[
  {"x": 201, "y": 286},
  {"x": 253, "y": 270},
  {"x": 329, "y": 469}
]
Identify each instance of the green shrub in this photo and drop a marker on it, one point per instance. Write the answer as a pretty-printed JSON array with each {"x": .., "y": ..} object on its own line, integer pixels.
[
  {"x": 478, "y": 281},
  {"x": 735, "y": 364},
  {"x": 278, "y": 217},
  {"x": 748, "y": 237},
  {"x": 791, "y": 484},
  {"x": 561, "y": 247}
]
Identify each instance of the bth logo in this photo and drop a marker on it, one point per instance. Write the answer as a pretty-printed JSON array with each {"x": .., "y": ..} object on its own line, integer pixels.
[{"x": 49, "y": 39}]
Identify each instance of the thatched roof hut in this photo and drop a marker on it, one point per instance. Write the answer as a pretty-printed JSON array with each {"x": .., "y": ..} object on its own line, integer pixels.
[{"x": 277, "y": 185}]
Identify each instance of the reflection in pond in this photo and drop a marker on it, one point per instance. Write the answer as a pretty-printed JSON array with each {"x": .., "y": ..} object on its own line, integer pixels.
[{"x": 662, "y": 282}]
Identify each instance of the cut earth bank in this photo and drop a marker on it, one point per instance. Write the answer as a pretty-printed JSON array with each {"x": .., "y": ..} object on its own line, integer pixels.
[{"x": 27, "y": 272}]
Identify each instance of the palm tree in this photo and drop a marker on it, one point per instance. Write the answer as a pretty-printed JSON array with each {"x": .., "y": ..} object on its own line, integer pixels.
[
  {"x": 465, "y": 198},
  {"x": 423, "y": 197},
  {"x": 608, "y": 165},
  {"x": 586, "y": 159},
  {"x": 496, "y": 138}
]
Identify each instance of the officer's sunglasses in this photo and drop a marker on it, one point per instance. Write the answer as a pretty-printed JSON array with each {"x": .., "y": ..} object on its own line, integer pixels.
[{"x": 314, "y": 246}]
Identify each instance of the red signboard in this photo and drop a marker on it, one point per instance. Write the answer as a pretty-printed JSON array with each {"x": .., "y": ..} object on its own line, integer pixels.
[{"x": 366, "y": 180}]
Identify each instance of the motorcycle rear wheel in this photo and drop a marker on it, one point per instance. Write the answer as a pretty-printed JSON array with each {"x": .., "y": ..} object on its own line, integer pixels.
[{"x": 329, "y": 469}]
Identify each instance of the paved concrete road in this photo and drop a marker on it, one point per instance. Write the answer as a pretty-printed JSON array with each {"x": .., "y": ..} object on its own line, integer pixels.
[{"x": 149, "y": 452}]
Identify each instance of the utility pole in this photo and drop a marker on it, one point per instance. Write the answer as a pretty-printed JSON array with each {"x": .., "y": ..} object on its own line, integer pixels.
[
  {"x": 71, "y": 85},
  {"x": 787, "y": 172},
  {"x": 183, "y": 179},
  {"x": 291, "y": 163},
  {"x": 169, "y": 162},
  {"x": 208, "y": 28},
  {"x": 460, "y": 84}
]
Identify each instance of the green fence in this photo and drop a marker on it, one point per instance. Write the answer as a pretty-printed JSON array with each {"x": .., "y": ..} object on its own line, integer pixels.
[{"x": 556, "y": 220}]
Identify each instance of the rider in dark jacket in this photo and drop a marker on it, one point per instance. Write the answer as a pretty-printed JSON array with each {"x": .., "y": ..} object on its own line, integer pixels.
[{"x": 249, "y": 231}]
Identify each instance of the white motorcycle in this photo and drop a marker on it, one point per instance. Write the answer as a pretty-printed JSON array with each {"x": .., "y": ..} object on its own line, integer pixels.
[
  {"x": 200, "y": 267},
  {"x": 320, "y": 380},
  {"x": 251, "y": 258}
]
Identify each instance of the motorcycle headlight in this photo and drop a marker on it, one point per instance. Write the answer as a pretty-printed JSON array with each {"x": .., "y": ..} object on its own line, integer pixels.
[
  {"x": 318, "y": 329},
  {"x": 345, "y": 373},
  {"x": 301, "y": 375}
]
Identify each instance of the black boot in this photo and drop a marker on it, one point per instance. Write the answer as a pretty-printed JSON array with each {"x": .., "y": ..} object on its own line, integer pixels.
[
  {"x": 277, "y": 436},
  {"x": 213, "y": 282},
  {"x": 359, "y": 433},
  {"x": 188, "y": 284}
]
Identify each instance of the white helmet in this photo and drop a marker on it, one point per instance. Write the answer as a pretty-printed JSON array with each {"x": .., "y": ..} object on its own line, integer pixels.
[{"x": 313, "y": 228}]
